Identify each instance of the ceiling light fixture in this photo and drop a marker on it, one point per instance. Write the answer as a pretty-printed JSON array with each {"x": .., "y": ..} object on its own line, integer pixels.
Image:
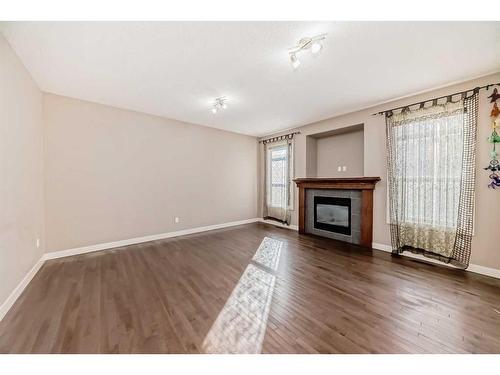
[
  {"x": 314, "y": 44},
  {"x": 295, "y": 61},
  {"x": 316, "y": 48},
  {"x": 219, "y": 104}
]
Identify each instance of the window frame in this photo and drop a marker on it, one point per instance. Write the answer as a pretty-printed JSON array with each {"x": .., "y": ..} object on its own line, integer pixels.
[{"x": 290, "y": 168}]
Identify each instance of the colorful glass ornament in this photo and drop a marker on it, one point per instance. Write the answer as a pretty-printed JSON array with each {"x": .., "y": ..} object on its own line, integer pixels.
[
  {"x": 495, "y": 181},
  {"x": 495, "y": 111},
  {"x": 493, "y": 166},
  {"x": 495, "y": 96},
  {"x": 494, "y": 137}
]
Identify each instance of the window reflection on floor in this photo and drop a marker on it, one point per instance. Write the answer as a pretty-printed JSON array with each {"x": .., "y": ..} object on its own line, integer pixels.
[
  {"x": 268, "y": 253},
  {"x": 241, "y": 325}
]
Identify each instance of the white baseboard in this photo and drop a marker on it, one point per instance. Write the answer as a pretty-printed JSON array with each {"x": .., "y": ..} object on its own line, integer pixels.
[
  {"x": 380, "y": 246},
  {"x": 493, "y": 272},
  {"x": 12, "y": 298},
  {"x": 278, "y": 224},
  {"x": 133, "y": 241}
]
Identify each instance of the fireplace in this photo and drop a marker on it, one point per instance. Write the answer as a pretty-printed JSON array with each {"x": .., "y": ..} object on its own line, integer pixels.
[
  {"x": 332, "y": 214},
  {"x": 337, "y": 208}
]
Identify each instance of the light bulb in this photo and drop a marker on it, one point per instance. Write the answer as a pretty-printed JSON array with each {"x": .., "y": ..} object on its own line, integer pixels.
[
  {"x": 295, "y": 61},
  {"x": 224, "y": 105},
  {"x": 214, "y": 110},
  {"x": 316, "y": 48}
]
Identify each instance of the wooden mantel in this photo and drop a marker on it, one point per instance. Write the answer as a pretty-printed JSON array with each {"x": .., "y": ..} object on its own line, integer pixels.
[{"x": 365, "y": 184}]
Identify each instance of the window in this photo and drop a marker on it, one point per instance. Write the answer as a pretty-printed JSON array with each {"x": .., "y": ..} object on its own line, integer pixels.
[
  {"x": 279, "y": 174},
  {"x": 429, "y": 173},
  {"x": 431, "y": 165}
]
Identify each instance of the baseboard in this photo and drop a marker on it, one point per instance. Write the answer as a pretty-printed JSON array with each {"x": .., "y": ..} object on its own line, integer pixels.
[
  {"x": 380, "y": 246},
  {"x": 137, "y": 240},
  {"x": 12, "y": 298},
  {"x": 278, "y": 224},
  {"x": 486, "y": 271}
]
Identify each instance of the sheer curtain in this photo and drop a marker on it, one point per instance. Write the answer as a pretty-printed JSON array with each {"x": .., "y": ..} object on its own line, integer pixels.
[
  {"x": 278, "y": 179},
  {"x": 431, "y": 159}
]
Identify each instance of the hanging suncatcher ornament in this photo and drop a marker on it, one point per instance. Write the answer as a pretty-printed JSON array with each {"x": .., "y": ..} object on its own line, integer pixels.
[{"x": 494, "y": 138}]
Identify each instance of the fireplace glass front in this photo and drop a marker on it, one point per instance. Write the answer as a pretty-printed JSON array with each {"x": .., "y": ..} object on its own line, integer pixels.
[{"x": 332, "y": 214}]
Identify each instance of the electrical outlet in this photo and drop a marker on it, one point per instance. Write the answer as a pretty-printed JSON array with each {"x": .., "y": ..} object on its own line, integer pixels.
[
  {"x": 177, "y": 219},
  {"x": 344, "y": 168},
  {"x": 339, "y": 168},
  {"x": 37, "y": 243}
]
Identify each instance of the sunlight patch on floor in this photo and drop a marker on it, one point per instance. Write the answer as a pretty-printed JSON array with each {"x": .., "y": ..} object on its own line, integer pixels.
[{"x": 241, "y": 325}]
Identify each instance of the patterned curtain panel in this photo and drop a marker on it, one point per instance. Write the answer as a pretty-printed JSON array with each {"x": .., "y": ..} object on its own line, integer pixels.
[
  {"x": 278, "y": 184},
  {"x": 431, "y": 170}
]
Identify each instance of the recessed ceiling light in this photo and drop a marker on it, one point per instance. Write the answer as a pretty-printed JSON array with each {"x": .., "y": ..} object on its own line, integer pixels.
[{"x": 313, "y": 44}]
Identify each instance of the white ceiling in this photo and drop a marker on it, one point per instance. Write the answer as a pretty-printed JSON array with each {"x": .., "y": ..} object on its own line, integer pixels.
[{"x": 176, "y": 69}]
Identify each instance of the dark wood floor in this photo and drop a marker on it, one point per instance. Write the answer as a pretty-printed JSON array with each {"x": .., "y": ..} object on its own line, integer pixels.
[{"x": 252, "y": 288}]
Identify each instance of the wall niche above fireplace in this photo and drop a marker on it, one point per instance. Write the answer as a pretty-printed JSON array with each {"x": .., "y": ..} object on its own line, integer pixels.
[
  {"x": 336, "y": 153},
  {"x": 337, "y": 208}
]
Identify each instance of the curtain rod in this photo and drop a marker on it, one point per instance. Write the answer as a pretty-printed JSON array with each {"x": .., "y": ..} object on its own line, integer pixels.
[
  {"x": 434, "y": 100},
  {"x": 279, "y": 137}
]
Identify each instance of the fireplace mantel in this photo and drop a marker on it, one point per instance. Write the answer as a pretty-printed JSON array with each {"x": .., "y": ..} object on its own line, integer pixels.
[
  {"x": 349, "y": 183},
  {"x": 365, "y": 184}
]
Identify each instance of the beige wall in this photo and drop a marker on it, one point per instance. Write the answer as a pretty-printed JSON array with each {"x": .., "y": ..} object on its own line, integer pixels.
[
  {"x": 311, "y": 157},
  {"x": 485, "y": 246},
  {"x": 21, "y": 171},
  {"x": 340, "y": 150},
  {"x": 109, "y": 174},
  {"x": 113, "y": 174}
]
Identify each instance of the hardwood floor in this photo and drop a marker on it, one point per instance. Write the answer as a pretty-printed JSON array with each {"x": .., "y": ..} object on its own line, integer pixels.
[{"x": 253, "y": 288}]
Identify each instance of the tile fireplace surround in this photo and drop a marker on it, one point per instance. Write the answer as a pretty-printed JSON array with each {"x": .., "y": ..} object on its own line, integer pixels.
[{"x": 358, "y": 189}]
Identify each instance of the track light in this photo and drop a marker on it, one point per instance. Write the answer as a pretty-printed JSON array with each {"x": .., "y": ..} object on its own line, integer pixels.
[
  {"x": 294, "y": 60},
  {"x": 316, "y": 48},
  {"x": 219, "y": 104},
  {"x": 313, "y": 44}
]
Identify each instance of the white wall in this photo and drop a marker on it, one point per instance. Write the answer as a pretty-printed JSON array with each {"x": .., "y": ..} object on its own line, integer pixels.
[
  {"x": 21, "y": 171},
  {"x": 113, "y": 174}
]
